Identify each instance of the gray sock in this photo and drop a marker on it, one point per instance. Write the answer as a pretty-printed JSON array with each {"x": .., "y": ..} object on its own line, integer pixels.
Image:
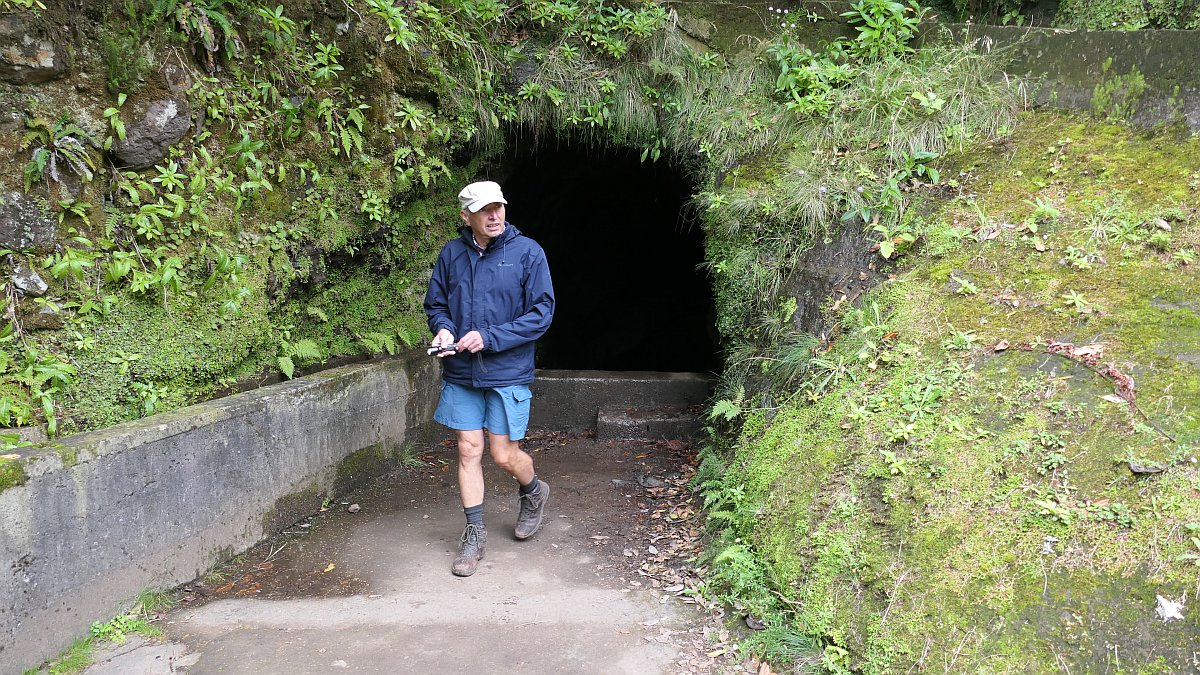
[
  {"x": 474, "y": 515},
  {"x": 526, "y": 489}
]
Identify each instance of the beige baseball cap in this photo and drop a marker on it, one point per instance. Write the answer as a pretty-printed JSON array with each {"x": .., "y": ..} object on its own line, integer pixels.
[{"x": 478, "y": 195}]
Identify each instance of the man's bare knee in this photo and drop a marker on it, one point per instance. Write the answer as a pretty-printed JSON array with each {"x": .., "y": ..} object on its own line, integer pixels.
[
  {"x": 505, "y": 452},
  {"x": 470, "y": 446}
]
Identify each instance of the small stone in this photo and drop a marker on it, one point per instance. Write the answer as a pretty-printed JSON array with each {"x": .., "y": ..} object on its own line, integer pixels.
[
  {"x": 28, "y": 281},
  {"x": 354, "y": 508},
  {"x": 651, "y": 482}
]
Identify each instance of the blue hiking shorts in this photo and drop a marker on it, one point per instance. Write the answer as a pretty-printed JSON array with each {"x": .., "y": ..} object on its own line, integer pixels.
[{"x": 500, "y": 410}]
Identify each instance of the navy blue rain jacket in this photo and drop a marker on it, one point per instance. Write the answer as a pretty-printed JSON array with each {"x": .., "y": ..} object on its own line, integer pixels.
[{"x": 505, "y": 294}]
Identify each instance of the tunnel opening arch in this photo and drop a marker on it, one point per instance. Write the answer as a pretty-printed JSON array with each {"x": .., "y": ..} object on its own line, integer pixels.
[{"x": 626, "y": 252}]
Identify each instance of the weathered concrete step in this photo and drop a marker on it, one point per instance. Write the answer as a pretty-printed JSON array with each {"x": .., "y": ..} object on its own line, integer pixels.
[
  {"x": 571, "y": 399},
  {"x": 639, "y": 424}
]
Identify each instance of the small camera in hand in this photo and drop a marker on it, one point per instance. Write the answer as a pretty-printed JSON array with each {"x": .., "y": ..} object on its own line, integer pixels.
[{"x": 442, "y": 349}]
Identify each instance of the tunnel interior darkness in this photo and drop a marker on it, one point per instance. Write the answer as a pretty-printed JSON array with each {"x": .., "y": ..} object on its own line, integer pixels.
[{"x": 624, "y": 253}]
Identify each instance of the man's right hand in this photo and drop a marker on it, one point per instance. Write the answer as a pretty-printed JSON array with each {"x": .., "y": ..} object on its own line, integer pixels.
[{"x": 444, "y": 338}]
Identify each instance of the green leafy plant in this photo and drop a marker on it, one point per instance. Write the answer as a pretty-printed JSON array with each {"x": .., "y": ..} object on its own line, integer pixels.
[
  {"x": 150, "y": 395},
  {"x": 1076, "y": 301},
  {"x": 960, "y": 340},
  {"x": 896, "y": 466},
  {"x": 376, "y": 343},
  {"x": 113, "y": 116},
  {"x": 206, "y": 24},
  {"x": 894, "y": 239},
  {"x": 836, "y": 660},
  {"x": 79, "y": 209},
  {"x": 170, "y": 177},
  {"x": 279, "y": 30},
  {"x": 72, "y": 263},
  {"x": 1043, "y": 213},
  {"x": 291, "y": 353},
  {"x": 121, "y": 627},
  {"x": 1192, "y": 556},
  {"x": 885, "y": 27},
  {"x": 56, "y": 146},
  {"x": 124, "y": 360},
  {"x": 965, "y": 286},
  {"x": 930, "y": 102},
  {"x": 399, "y": 30}
]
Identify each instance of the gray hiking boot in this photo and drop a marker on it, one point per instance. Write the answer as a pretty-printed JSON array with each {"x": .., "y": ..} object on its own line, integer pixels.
[
  {"x": 474, "y": 540},
  {"x": 532, "y": 506}
]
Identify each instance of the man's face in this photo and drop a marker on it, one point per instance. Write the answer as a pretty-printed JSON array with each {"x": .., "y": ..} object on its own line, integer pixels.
[{"x": 486, "y": 223}]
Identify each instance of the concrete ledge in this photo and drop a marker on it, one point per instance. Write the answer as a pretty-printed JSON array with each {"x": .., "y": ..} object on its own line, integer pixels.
[
  {"x": 154, "y": 503},
  {"x": 637, "y": 424},
  {"x": 1066, "y": 67},
  {"x": 571, "y": 399}
]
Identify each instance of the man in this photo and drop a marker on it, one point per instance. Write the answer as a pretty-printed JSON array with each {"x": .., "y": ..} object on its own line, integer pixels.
[{"x": 489, "y": 298}]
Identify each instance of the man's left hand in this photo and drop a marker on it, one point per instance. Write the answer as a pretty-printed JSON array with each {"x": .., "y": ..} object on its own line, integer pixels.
[{"x": 471, "y": 342}]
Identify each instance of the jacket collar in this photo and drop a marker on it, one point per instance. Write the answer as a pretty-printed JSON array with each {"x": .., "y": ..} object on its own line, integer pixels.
[{"x": 510, "y": 232}]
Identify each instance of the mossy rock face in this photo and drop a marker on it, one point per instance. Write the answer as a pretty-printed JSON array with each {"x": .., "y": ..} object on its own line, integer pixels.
[{"x": 1002, "y": 473}]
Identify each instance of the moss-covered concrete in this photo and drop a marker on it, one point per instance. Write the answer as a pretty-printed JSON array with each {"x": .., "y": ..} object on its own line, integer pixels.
[
  {"x": 962, "y": 494},
  {"x": 12, "y": 473},
  {"x": 94, "y": 520}
]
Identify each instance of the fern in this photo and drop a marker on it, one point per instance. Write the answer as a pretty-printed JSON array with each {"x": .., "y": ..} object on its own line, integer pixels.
[
  {"x": 408, "y": 336},
  {"x": 299, "y": 351},
  {"x": 306, "y": 350},
  {"x": 378, "y": 342},
  {"x": 725, "y": 408}
]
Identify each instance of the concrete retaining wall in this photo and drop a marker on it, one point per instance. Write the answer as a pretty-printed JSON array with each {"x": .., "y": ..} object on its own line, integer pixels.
[
  {"x": 1066, "y": 67},
  {"x": 571, "y": 399},
  {"x": 155, "y": 503}
]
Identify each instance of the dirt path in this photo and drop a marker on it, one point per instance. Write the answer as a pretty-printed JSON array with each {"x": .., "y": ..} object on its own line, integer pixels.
[{"x": 602, "y": 588}]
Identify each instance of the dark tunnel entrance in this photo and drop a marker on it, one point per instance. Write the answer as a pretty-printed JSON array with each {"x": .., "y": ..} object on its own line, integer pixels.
[{"x": 624, "y": 252}]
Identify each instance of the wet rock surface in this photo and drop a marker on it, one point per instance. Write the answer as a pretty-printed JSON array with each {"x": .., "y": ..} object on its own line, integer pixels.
[
  {"x": 27, "y": 281},
  {"x": 147, "y": 142},
  {"x": 23, "y": 223},
  {"x": 28, "y": 53},
  {"x": 603, "y": 587}
]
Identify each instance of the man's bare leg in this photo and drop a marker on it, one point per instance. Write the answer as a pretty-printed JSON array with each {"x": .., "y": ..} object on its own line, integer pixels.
[
  {"x": 470, "y": 467},
  {"x": 471, "y": 491},
  {"x": 509, "y": 456}
]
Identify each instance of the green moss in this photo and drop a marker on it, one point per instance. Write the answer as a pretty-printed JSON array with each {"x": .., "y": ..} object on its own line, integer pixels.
[
  {"x": 1127, "y": 14},
  {"x": 12, "y": 473},
  {"x": 69, "y": 456},
  {"x": 291, "y": 508},
  {"x": 947, "y": 498},
  {"x": 369, "y": 462}
]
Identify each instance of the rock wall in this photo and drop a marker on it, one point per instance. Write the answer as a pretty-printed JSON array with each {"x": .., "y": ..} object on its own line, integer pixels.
[{"x": 156, "y": 502}]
